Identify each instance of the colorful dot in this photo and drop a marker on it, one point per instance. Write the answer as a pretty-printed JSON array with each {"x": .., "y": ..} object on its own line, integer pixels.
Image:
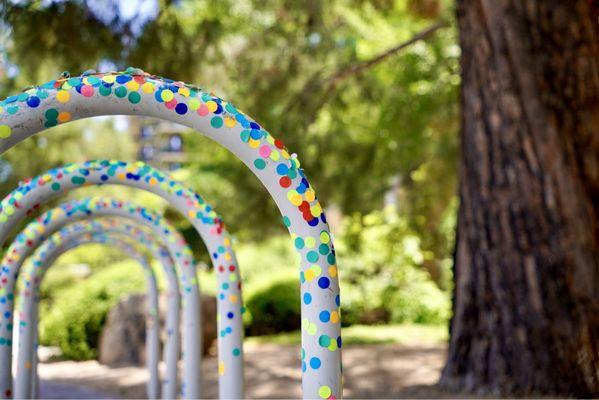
[{"x": 324, "y": 392}]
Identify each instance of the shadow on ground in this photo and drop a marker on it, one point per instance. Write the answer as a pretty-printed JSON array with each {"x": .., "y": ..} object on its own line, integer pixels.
[{"x": 272, "y": 371}]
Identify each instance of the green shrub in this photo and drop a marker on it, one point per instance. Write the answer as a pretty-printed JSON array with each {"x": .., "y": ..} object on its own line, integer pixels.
[
  {"x": 74, "y": 319},
  {"x": 274, "y": 308}
]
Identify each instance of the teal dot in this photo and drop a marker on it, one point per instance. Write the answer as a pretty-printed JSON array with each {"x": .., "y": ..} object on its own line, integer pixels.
[
  {"x": 121, "y": 91},
  {"x": 299, "y": 243},
  {"x": 104, "y": 90},
  {"x": 312, "y": 256},
  {"x": 134, "y": 97},
  {"x": 50, "y": 123},
  {"x": 55, "y": 186},
  {"x": 331, "y": 259},
  {"x": 323, "y": 249},
  {"x": 236, "y": 352},
  {"x": 286, "y": 222},
  {"x": 78, "y": 180},
  {"x": 216, "y": 122},
  {"x": 245, "y": 136},
  {"x": 259, "y": 163},
  {"x": 324, "y": 340},
  {"x": 52, "y": 113}
]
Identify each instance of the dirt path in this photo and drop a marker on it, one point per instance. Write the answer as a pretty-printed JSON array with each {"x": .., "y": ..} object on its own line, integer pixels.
[{"x": 271, "y": 371}]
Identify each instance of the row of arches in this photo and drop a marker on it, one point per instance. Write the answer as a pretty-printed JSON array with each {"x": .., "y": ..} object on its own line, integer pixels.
[{"x": 134, "y": 92}]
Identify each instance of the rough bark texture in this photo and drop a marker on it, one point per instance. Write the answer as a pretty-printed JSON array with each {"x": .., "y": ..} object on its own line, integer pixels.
[{"x": 526, "y": 306}]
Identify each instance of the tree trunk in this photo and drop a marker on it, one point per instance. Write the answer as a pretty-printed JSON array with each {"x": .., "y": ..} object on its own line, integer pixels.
[{"x": 526, "y": 305}]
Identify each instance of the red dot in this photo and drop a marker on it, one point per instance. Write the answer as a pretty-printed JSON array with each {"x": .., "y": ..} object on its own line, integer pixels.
[
  {"x": 221, "y": 268},
  {"x": 279, "y": 144},
  {"x": 231, "y": 268},
  {"x": 285, "y": 182}
]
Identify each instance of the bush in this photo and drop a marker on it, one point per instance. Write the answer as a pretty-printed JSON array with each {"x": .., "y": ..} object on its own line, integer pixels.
[
  {"x": 77, "y": 314},
  {"x": 274, "y": 308}
]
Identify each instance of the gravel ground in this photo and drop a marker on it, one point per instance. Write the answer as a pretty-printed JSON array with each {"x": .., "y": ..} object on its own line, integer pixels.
[{"x": 370, "y": 371}]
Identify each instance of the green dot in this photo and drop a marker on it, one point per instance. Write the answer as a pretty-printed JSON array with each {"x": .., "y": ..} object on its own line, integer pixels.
[
  {"x": 324, "y": 392},
  {"x": 259, "y": 163},
  {"x": 55, "y": 186},
  {"x": 134, "y": 97},
  {"x": 78, "y": 180},
  {"x": 216, "y": 122},
  {"x": 104, "y": 90},
  {"x": 312, "y": 256},
  {"x": 5, "y": 131},
  {"x": 121, "y": 91},
  {"x": 52, "y": 113}
]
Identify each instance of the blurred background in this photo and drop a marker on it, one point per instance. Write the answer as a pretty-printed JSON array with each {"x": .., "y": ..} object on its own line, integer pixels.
[{"x": 365, "y": 92}]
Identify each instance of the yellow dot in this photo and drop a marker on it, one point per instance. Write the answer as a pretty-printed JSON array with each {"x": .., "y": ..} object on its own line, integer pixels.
[
  {"x": 310, "y": 195},
  {"x": 334, "y": 317},
  {"x": 132, "y": 86},
  {"x": 147, "y": 87},
  {"x": 310, "y": 242},
  {"x": 253, "y": 143},
  {"x": 317, "y": 270},
  {"x": 333, "y": 271},
  {"x": 227, "y": 241},
  {"x": 275, "y": 155},
  {"x": 183, "y": 92},
  {"x": 233, "y": 298},
  {"x": 324, "y": 392},
  {"x": 167, "y": 95},
  {"x": 109, "y": 78},
  {"x": 230, "y": 122},
  {"x": 63, "y": 96},
  {"x": 228, "y": 257},
  {"x": 5, "y": 131},
  {"x": 212, "y": 106},
  {"x": 316, "y": 210},
  {"x": 221, "y": 368},
  {"x": 324, "y": 237},
  {"x": 64, "y": 116},
  {"x": 121, "y": 176},
  {"x": 309, "y": 275}
]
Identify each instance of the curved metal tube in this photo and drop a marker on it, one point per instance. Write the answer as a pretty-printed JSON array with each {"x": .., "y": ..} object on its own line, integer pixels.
[
  {"x": 172, "y": 342},
  {"x": 202, "y": 216},
  {"x": 43, "y": 259},
  {"x": 134, "y": 92}
]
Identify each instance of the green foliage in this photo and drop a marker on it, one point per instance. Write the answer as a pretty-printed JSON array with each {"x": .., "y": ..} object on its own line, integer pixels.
[
  {"x": 75, "y": 317},
  {"x": 274, "y": 308}
]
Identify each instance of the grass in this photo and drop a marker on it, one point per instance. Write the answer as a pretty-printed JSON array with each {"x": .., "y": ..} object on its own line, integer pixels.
[{"x": 370, "y": 334}]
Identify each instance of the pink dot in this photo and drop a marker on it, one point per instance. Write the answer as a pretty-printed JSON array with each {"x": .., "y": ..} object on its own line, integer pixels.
[
  {"x": 203, "y": 110},
  {"x": 171, "y": 104},
  {"x": 265, "y": 151},
  {"x": 87, "y": 91}
]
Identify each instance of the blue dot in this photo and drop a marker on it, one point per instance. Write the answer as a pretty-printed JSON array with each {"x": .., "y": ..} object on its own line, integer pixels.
[
  {"x": 315, "y": 362},
  {"x": 324, "y": 316},
  {"x": 230, "y": 315},
  {"x": 181, "y": 108},
  {"x": 304, "y": 366},
  {"x": 229, "y": 329},
  {"x": 338, "y": 300},
  {"x": 282, "y": 169},
  {"x": 33, "y": 101},
  {"x": 307, "y": 298},
  {"x": 324, "y": 282}
]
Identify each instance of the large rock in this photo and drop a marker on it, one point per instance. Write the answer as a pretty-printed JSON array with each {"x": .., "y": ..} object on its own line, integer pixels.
[{"x": 123, "y": 337}]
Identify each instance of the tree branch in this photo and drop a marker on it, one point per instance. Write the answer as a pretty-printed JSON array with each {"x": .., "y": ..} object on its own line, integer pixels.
[{"x": 360, "y": 67}]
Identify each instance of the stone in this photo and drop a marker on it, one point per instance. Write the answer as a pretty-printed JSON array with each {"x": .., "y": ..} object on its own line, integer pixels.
[{"x": 122, "y": 341}]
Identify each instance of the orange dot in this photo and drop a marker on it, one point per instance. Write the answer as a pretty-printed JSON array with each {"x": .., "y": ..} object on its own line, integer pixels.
[{"x": 64, "y": 116}]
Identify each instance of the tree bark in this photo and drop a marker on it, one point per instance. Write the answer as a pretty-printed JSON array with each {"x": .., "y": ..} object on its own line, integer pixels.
[{"x": 526, "y": 304}]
